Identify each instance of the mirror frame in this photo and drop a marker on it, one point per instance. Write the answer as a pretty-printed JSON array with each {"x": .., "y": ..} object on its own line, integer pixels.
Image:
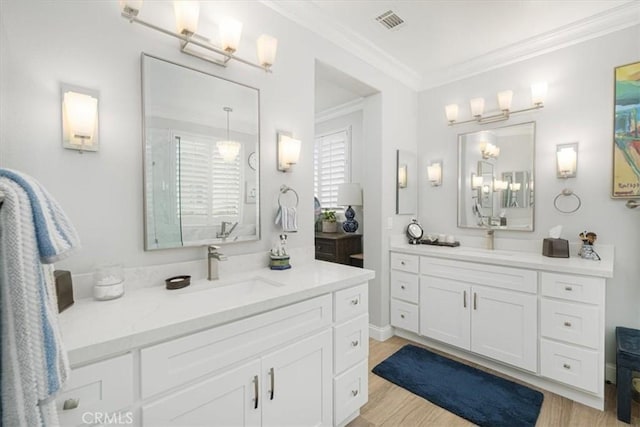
[
  {"x": 463, "y": 174},
  {"x": 258, "y": 151}
]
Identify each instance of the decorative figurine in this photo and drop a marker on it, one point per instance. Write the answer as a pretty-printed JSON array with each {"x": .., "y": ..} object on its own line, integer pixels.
[{"x": 586, "y": 251}]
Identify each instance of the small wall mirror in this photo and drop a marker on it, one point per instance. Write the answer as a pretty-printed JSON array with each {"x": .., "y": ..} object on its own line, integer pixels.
[
  {"x": 201, "y": 142},
  {"x": 495, "y": 178},
  {"x": 406, "y": 182}
]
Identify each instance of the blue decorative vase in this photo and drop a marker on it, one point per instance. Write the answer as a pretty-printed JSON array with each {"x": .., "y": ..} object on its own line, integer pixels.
[{"x": 350, "y": 225}]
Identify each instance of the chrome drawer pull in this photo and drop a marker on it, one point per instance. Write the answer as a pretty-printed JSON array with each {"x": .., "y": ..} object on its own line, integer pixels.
[
  {"x": 354, "y": 343},
  {"x": 475, "y": 301},
  {"x": 355, "y": 301},
  {"x": 402, "y": 287},
  {"x": 567, "y": 324},
  {"x": 70, "y": 404},
  {"x": 354, "y": 393},
  {"x": 402, "y": 316},
  {"x": 272, "y": 374},
  {"x": 402, "y": 263},
  {"x": 256, "y": 391},
  {"x": 566, "y": 366},
  {"x": 464, "y": 299},
  {"x": 568, "y": 288}
]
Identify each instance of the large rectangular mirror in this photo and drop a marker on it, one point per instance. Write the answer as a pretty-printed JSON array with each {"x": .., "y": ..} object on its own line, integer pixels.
[
  {"x": 201, "y": 142},
  {"x": 495, "y": 178}
]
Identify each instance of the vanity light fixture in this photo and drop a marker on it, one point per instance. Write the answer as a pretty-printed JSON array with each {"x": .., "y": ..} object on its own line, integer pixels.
[
  {"x": 187, "y": 15},
  {"x": 288, "y": 151},
  {"x": 434, "y": 173},
  {"x": 567, "y": 160},
  {"x": 515, "y": 186},
  {"x": 402, "y": 176},
  {"x": 489, "y": 151},
  {"x": 476, "y": 181},
  {"x": 538, "y": 95},
  {"x": 228, "y": 149},
  {"x": 499, "y": 185},
  {"x": 79, "y": 118}
]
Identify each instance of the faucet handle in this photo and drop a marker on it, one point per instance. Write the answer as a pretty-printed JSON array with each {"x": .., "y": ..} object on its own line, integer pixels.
[{"x": 213, "y": 249}]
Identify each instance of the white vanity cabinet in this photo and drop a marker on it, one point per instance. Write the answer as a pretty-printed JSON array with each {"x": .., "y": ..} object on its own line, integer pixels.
[
  {"x": 541, "y": 322},
  {"x": 459, "y": 306}
]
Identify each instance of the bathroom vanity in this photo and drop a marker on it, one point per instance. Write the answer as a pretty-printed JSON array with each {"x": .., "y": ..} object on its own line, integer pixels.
[
  {"x": 260, "y": 348},
  {"x": 537, "y": 319}
]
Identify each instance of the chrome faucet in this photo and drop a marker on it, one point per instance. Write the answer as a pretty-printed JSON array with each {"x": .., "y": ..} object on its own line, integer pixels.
[
  {"x": 214, "y": 257},
  {"x": 223, "y": 229}
]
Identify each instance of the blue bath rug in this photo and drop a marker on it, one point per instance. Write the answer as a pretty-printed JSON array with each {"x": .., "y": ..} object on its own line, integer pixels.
[{"x": 470, "y": 393}]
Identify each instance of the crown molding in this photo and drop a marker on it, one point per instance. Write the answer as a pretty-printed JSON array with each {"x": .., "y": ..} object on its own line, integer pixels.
[
  {"x": 612, "y": 20},
  {"x": 340, "y": 110},
  {"x": 309, "y": 15}
]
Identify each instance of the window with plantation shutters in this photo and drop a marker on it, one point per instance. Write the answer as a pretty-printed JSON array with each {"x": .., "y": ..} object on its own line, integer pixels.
[
  {"x": 209, "y": 187},
  {"x": 331, "y": 166}
]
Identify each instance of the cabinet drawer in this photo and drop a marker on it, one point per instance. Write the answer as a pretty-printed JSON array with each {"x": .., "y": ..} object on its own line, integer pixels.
[
  {"x": 350, "y": 391},
  {"x": 571, "y": 365},
  {"x": 404, "y": 286},
  {"x": 101, "y": 387},
  {"x": 184, "y": 359},
  {"x": 351, "y": 343},
  {"x": 326, "y": 248},
  {"x": 574, "y": 323},
  {"x": 573, "y": 288},
  {"x": 404, "y": 262},
  {"x": 351, "y": 302},
  {"x": 404, "y": 315},
  {"x": 517, "y": 279}
]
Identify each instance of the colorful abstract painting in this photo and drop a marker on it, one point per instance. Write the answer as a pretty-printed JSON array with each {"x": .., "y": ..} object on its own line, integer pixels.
[{"x": 626, "y": 155}]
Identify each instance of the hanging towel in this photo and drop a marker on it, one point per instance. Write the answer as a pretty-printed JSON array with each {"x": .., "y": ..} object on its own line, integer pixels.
[
  {"x": 287, "y": 217},
  {"x": 34, "y": 232}
]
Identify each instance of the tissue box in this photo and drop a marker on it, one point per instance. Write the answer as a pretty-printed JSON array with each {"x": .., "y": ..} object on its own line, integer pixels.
[
  {"x": 555, "y": 248},
  {"x": 64, "y": 289}
]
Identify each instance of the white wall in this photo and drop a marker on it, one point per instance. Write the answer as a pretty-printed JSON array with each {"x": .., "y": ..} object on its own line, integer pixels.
[
  {"x": 88, "y": 44},
  {"x": 579, "y": 108}
]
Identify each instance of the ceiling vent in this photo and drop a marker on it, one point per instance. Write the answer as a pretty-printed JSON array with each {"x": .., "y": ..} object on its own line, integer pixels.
[{"x": 390, "y": 20}]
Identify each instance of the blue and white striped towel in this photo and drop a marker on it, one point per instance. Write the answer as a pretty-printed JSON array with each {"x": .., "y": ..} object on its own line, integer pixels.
[{"x": 34, "y": 232}]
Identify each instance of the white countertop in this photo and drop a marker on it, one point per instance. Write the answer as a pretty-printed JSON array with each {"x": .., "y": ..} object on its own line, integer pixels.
[
  {"x": 94, "y": 330},
  {"x": 536, "y": 261}
]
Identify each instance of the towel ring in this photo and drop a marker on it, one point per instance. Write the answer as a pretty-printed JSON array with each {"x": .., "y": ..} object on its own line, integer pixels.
[
  {"x": 567, "y": 192},
  {"x": 284, "y": 190}
]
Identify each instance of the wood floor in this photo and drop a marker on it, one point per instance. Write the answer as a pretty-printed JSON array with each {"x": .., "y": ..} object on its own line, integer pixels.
[{"x": 390, "y": 405}]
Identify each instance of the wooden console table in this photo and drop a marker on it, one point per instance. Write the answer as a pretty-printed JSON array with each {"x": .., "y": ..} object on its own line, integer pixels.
[{"x": 338, "y": 247}]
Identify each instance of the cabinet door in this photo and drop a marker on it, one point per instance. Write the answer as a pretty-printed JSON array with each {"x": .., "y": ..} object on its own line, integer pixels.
[
  {"x": 445, "y": 311},
  {"x": 504, "y": 326},
  {"x": 297, "y": 383},
  {"x": 224, "y": 400}
]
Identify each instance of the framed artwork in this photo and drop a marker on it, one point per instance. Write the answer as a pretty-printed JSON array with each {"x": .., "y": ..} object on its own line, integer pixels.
[{"x": 626, "y": 147}]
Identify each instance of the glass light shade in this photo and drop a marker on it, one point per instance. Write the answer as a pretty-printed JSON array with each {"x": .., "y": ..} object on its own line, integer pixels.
[
  {"x": 434, "y": 173},
  {"x": 476, "y": 181},
  {"x": 267, "y": 48},
  {"x": 515, "y": 186},
  {"x": 451, "y": 111},
  {"x": 288, "y": 152},
  {"x": 504, "y": 99},
  {"x": 230, "y": 31},
  {"x": 402, "y": 176},
  {"x": 538, "y": 93},
  {"x": 80, "y": 114},
  {"x": 500, "y": 185},
  {"x": 567, "y": 159},
  {"x": 187, "y": 14},
  {"x": 477, "y": 106},
  {"x": 349, "y": 194},
  {"x": 131, "y": 4},
  {"x": 229, "y": 150}
]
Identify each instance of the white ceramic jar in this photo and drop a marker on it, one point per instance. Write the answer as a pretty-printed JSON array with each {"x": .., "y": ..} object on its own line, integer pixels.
[{"x": 109, "y": 282}]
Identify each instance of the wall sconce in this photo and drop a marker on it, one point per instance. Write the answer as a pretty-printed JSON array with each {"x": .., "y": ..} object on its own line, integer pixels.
[
  {"x": 402, "y": 176},
  {"x": 187, "y": 14},
  {"x": 228, "y": 149},
  {"x": 489, "y": 151},
  {"x": 288, "y": 151},
  {"x": 434, "y": 173},
  {"x": 538, "y": 94},
  {"x": 567, "y": 160},
  {"x": 476, "y": 181},
  {"x": 79, "y": 118},
  {"x": 515, "y": 186},
  {"x": 499, "y": 185}
]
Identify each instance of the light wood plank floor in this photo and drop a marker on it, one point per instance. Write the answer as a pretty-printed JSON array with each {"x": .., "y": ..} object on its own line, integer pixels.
[{"x": 390, "y": 405}]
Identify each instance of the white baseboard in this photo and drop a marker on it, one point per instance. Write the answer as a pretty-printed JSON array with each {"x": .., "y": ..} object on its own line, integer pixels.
[
  {"x": 380, "y": 333},
  {"x": 610, "y": 373}
]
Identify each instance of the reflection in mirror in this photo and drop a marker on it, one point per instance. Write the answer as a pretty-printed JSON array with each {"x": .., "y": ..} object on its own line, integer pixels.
[
  {"x": 496, "y": 178},
  {"x": 201, "y": 136},
  {"x": 406, "y": 182}
]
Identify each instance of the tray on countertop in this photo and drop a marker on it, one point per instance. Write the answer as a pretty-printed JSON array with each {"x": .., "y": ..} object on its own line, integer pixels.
[{"x": 437, "y": 243}]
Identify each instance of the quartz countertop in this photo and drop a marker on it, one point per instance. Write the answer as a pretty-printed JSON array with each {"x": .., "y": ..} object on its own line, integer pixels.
[
  {"x": 93, "y": 330},
  {"x": 511, "y": 258}
]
